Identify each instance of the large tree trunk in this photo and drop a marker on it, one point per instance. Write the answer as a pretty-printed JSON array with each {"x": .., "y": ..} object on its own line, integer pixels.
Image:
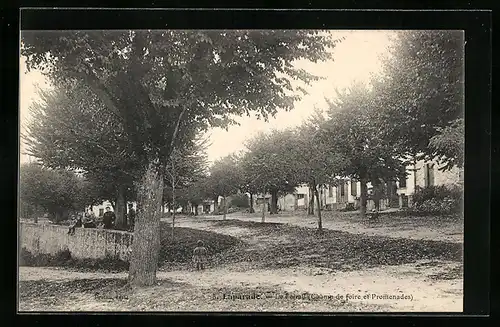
[
  {"x": 274, "y": 202},
  {"x": 310, "y": 209},
  {"x": 224, "y": 208},
  {"x": 320, "y": 223},
  {"x": 251, "y": 203},
  {"x": 363, "y": 197},
  {"x": 146, "y": 243},
  {"x": 121, "y": 220}
]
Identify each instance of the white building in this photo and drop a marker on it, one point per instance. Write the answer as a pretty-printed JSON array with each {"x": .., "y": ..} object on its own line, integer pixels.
[{"x": 397, "y": 194}]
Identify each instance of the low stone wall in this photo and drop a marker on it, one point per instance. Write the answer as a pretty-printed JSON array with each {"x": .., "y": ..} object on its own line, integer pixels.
[{"x": 86, "y": 243}]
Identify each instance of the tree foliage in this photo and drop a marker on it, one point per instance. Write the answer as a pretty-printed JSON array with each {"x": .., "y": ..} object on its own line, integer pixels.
[
  {"x": 157, "y": 82},
  {"x": 421, "y": 89},
  {"x": 57, "y": 191},
  {"x": 449, "y": 145},
  {"x": 224, "y": 179},
  {"x": 270, "y": 164},
  {"x": 70, "y": 128},
  {"x": 356, "y": 131}
]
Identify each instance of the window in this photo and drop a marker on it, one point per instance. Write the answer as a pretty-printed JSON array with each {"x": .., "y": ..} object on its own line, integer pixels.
[
  {"x": 354, "y": 188},
  {"x": 330, "y": 191},
  {"x": 300, "y": 196},
  {"x": 429, "y": 174},
  {"x": 101, "y": 212},
  {"x": 402, "y": 181},
  {"x": 342, "y": 189}
]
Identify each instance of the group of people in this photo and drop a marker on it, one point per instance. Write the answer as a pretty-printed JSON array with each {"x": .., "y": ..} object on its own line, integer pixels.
[
  {"x": 88, "y": 220},
  {"x": 200, "y": 253}
]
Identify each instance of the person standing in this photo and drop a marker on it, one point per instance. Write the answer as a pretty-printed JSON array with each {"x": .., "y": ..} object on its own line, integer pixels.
[
  {"x": 108, "y": 218},
  {"x": 200, "y": 255}
]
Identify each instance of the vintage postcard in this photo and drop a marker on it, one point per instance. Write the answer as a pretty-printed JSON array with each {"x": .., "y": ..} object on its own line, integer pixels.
[{"x": 241, "y": 170}]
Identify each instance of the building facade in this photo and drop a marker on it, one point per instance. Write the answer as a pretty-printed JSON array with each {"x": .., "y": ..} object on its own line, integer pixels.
[{"x": 397, "y": 194}]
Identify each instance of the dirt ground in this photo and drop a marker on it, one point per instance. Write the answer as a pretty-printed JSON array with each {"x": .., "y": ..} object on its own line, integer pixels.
[
  {"x": 390, "y": 224},
  {"x": 432, "y": 285}
]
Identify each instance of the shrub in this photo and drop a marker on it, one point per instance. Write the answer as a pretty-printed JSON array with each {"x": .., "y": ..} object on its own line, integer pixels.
[
  {"x": 240, "y": 201},
  {"x": 440, "y": 199}
]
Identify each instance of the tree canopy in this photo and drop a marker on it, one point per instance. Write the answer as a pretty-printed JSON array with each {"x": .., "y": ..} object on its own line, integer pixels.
[
  {"x": 421, "y": 89},
  {"x": 162, "y": 85},
  {"x": 57, "y": 191}
]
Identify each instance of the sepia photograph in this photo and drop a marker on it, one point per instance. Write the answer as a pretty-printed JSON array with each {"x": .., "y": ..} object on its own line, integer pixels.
[{"x": 241, "y": 170}]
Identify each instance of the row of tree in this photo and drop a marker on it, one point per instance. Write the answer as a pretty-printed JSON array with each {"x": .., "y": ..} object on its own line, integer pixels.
[{"x": 369, "y": 132}]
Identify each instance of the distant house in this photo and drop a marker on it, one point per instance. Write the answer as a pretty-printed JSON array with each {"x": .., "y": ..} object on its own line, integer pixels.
[
  {"x": 425, "y": 174},
  {"x": 208, "y": 206}
]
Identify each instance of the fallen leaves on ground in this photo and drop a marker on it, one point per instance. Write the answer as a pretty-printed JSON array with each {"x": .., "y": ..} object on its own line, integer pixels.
[
  {"x": 335, "y": 249},
  {"x": 171, "y": 296}
]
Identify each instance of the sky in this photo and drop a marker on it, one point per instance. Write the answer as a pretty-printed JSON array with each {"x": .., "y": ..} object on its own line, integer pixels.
[{"x": 354, "y": 59}]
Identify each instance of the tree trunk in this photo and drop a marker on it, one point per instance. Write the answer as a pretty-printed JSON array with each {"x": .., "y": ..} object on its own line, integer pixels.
[
  {"x": 310, "y": 210},
  {"x": 363, "y": 198},
  {"x": 121, "y": 221},
  {"x": 216, "y": 205},
  {"x": 377, "y": 194},
  {"x": 196, "y": 210},
  {"x": 146, "y": 243},
  {"x": 320, "y": 223},
  {"x": 264, "y": 202},
  {"x": 224, "y": 208},
  {"x": 174, "y": 211},
  {"x": 414, "y": 173},
  {"x": 274, "y": 202},
  {"x": 251, "y": 204}
]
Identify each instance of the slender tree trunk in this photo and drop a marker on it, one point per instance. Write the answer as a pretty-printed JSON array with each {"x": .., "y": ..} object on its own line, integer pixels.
[
  {"x": 146, "y": 243},
  {"x": 414, "y": 174},
  {"x": 216, "y": 205},
  {"x": 310, "y": 210},
  {"x": 251, "y": 203},
  {"x": 120, "y": 207},
  {"x": 264, "y": 202},
  {"x": 320, "y": 223},
  {"x": 174, "y": 211},
  {"x": 274, "y": 202},
  {"x": 224, "y": 208},
  {"x": 196, "y": 210},
  {"x": 363, "y": 197}
]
